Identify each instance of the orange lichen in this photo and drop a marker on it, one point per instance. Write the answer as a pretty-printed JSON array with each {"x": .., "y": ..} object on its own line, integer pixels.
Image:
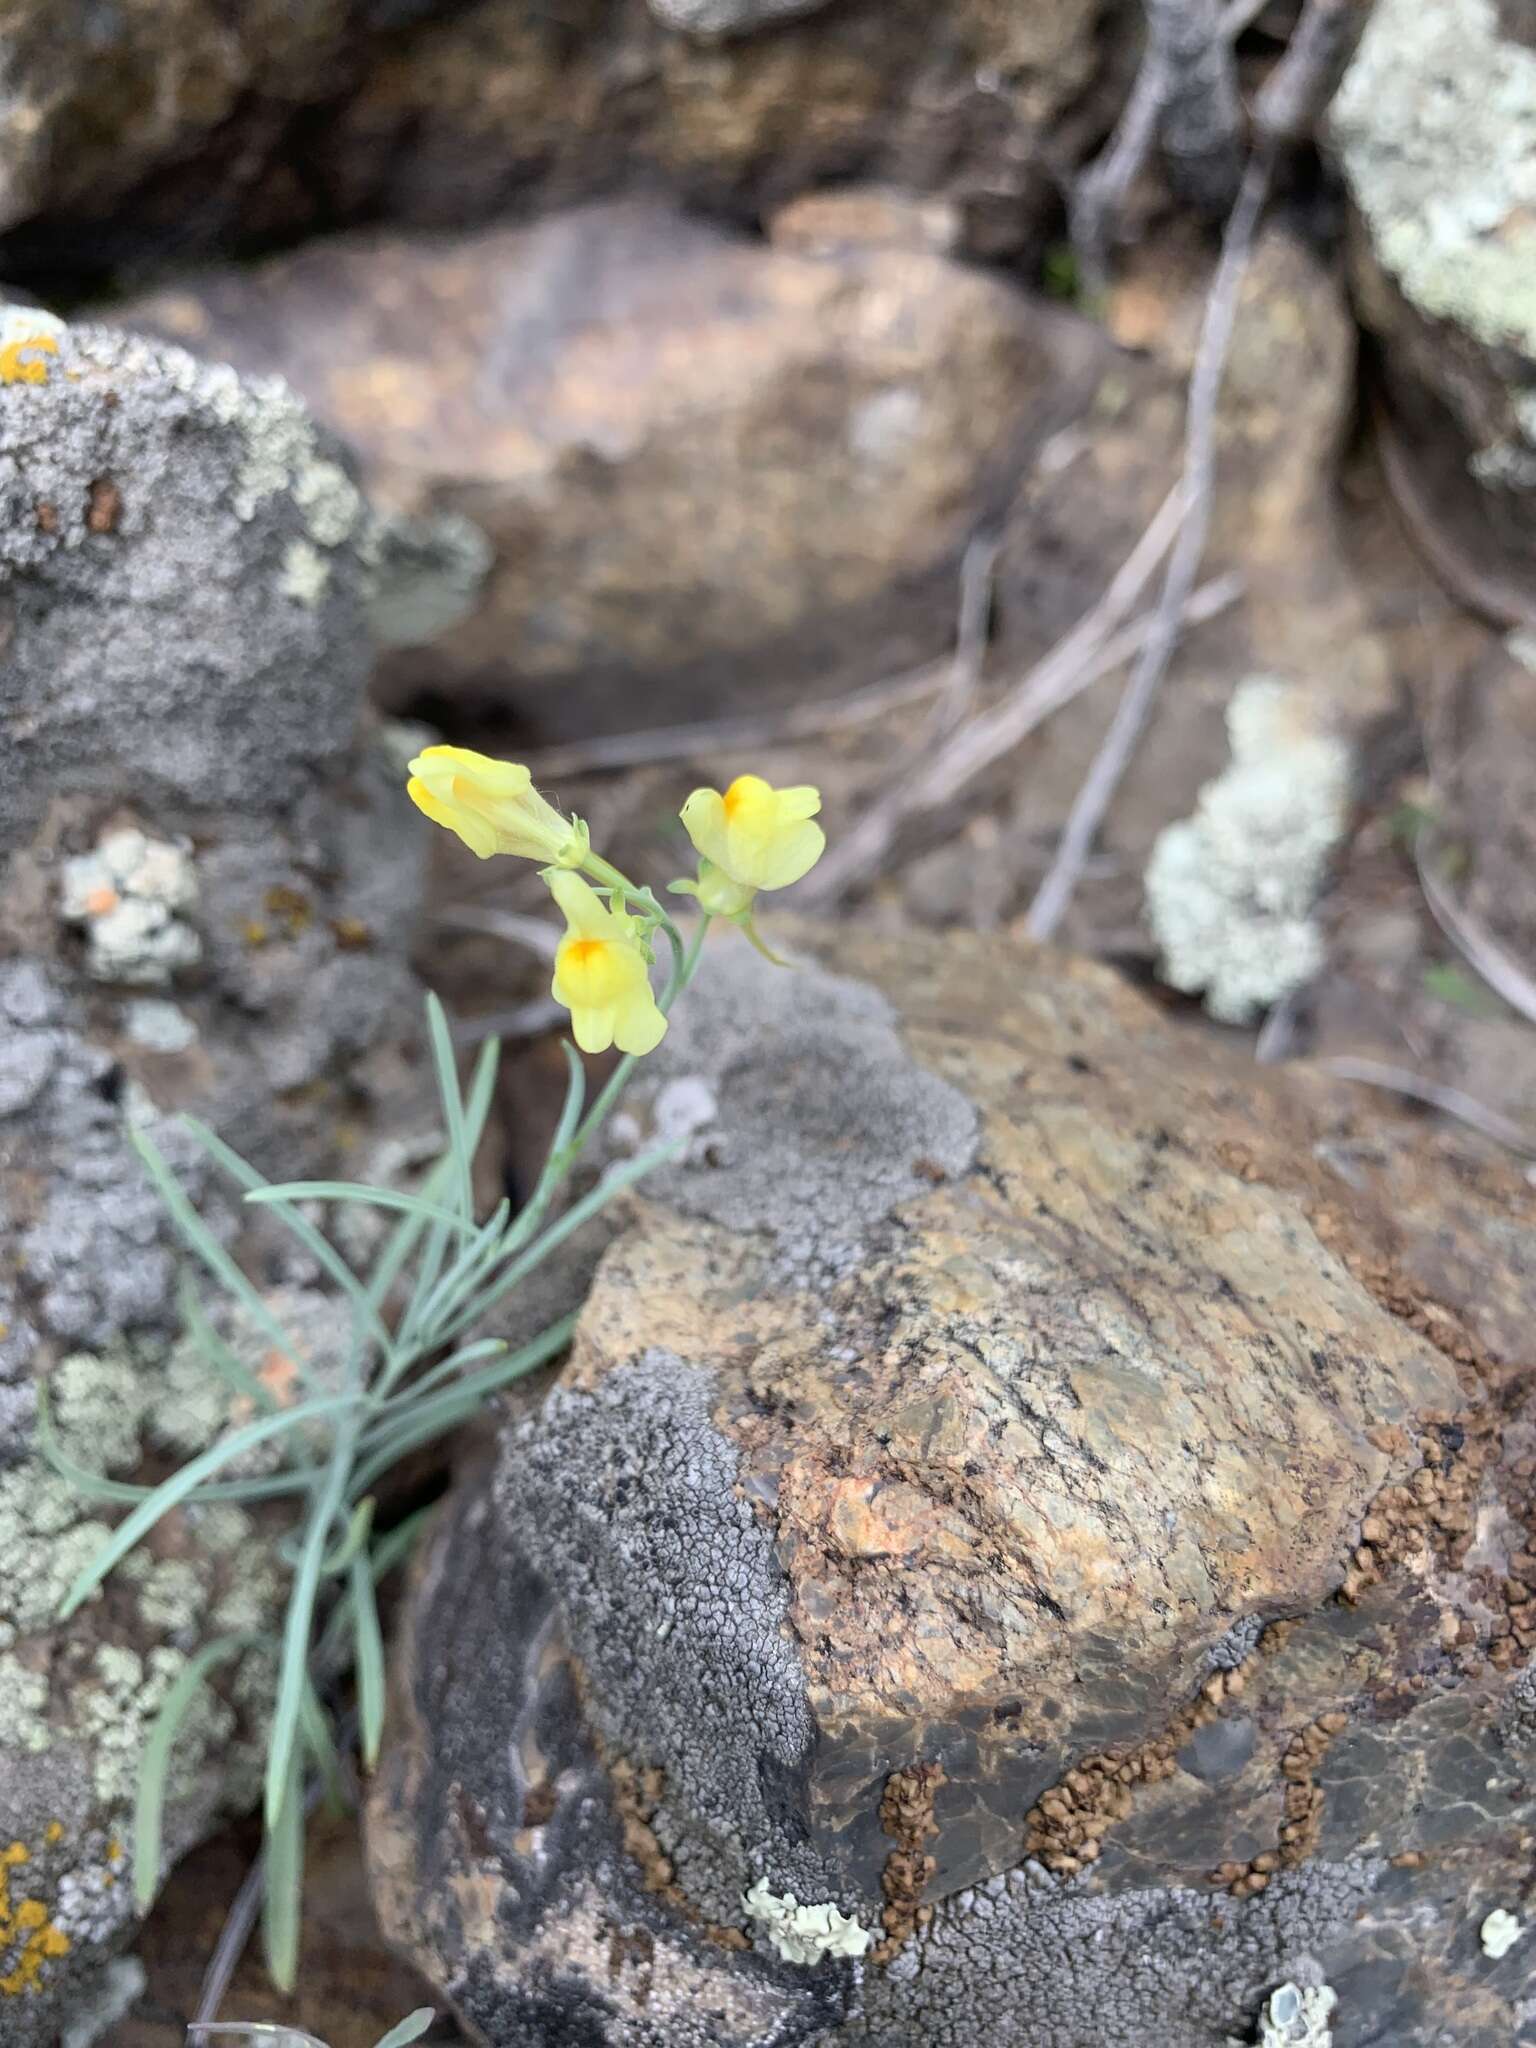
[
  {"x": 13, "y": 370},
  {"x": 28, "y": 1936}
]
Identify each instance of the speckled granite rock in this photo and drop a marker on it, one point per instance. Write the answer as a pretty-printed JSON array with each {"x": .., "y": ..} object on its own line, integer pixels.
[
  {"x": 205, "y": 899},
  {"x": 706, "y": 472},
  {"x": 1442, "y": 174},
  {"x": 1014, "y": 1483},
  {"x": 176, "y": 127}
]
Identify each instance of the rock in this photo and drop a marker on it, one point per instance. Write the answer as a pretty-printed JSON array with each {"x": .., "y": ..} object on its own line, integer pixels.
[
  {"x": 1304, "y": 616},
  {"x": 187, "y": 803},
  {"x": 183, "y": 569},
  {"x": 1440, "y": 173},
  {"x": 180, "y": 133},
  {"x": 710, "y": 473},
  {"x": 1047, "y": 1494}
]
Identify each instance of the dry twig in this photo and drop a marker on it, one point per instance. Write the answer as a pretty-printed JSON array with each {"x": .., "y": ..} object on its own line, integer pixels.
[
  {"x": 1100, "y": 192},
  {"x": 1199, "y": 114},
  {"x": 1287, "y": 102},
  {"x": 1451, "y": 1101},
  {"x": 1477, "y": 945},
  {"x": 722, "y": 735}
]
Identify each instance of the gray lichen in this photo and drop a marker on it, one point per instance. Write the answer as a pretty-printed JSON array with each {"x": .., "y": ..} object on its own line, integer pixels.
[
  {"x": 128, "y": 895},
  {"x": 825, "y": 1121},
  {"x": 624, "y": 1497},
  {"x": 1022, "y": 1962},
  {"x": 1230, "y": 891},
  {"x": 146, "y": 503}
]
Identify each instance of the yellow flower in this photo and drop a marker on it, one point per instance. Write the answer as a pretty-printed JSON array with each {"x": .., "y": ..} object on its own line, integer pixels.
[
  {"x": 753, "y": 837},
  {"x": 601, "y": 975},
  {"x": 493, "y": 807}
]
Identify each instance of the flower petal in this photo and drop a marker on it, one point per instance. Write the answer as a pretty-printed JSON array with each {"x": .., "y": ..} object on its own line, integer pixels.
[
  {"x": 638, "y": 1025},
  {"x": 703, "y": 819},
  {"x": 468, "y": 825},
  {"x": 793, "y": 853}
]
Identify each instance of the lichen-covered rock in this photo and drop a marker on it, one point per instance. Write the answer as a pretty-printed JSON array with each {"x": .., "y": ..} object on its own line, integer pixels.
[
  {"x": 1014, "y": 1492},
  {"x": 1435, "y": 127},
  {"x": 188, "y": 803},
  {"x": 707, "y": 470},
  {"x": 175, "y": 128},
  {"x": 152, "y": 511}
]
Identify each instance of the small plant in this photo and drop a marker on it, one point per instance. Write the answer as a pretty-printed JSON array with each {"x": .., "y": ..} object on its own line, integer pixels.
[{"x": 413, "y": 1367}]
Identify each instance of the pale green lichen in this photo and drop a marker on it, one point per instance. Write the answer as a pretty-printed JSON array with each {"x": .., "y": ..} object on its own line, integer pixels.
[
  {"x": 1230, "y": 891},
  {"x": 1436, "y": 124},
  {"x": 98, "y": 1405},
  {"x": 172, "y": 1596},
  {"x": 804, "y": 1934},
  {"x": 23, "y": 1704},
  {"x": 47, "y": 1537},
  {"x": 114, "y": 1714}
]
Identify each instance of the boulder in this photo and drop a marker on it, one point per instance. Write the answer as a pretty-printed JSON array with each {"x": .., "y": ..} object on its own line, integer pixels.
[
  {"x": 178, "y": 129},
  {"x": 1439, "y": 171},
  {"x": 205, "y": 901},
  {"x": 707, "y": 473},
  {"x": 1035, "y": 1532}
]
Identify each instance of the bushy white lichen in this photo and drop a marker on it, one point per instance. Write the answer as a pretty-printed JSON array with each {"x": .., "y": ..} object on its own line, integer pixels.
[
  {"x": 1230, "y": 891},
  {"x": 804, "y": 1934},
  {"x": 1499, "y": 1933},
  {"x": 128, "y": 894}
]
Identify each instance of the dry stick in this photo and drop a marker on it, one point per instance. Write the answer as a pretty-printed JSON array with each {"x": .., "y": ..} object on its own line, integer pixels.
[
  {"x": 1285, "y": 110},
  {"x": 859, "y": 852},
  {"x": 1466, "y": 1108},
  {"x": 1497, "y": 966},
  {"x": 1200, "y": 115},
  {"x": 1099, "y": 195},
  {"x": 1113, "y": 757},
  {"x": 721, "y": 735}
]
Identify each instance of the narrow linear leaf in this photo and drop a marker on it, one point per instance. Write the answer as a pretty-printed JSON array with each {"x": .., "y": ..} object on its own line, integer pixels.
[
  {"x": 613, "y": 1184},
  {"x": 355, "y": 1191},
  {"x": 401, "y": 1241},
  {"x": 202, "y": 1240},
  {"x": 321, "y": 1744},
  {"x": 411, "y": 2028},
  {"x": 358, "y": 1526},
  {"x": 149, "y": 1807},
  {"x": 390, "y": 1550},
  {"x": 368, "y": 1638},
  {"x": 319, "y": 1247},
  {"x": 171, "y": 1492},
  {"x": 453, "y": 1104},
  {"x": 297, "y": 1479},
  {"x": 230, "y": 1368},
  {"x": 445, "y": 1369},
  {"x": 293, "y": 1674},
  {"x": 424, "y": 1421},
  {"x": 284, "y": 1881}
]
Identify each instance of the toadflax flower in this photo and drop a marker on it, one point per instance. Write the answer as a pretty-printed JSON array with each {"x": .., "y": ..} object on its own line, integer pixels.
[
  {"x": 601, "y": 973},
  {"x": 493, "y": 807},
  {"x": 752, "y": 837}
]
